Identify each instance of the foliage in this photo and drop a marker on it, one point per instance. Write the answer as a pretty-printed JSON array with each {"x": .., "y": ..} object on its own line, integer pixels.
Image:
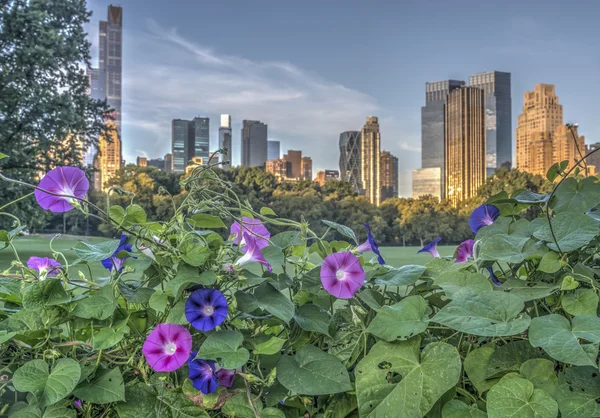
[{"x": 440, "y": 340}]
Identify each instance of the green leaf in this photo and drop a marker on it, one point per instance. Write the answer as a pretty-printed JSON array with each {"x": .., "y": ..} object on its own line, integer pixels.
[
  {"x": 398, "y": 380},
  {"x": 515, "y": 397},
  {"x": 340, "y": 406},
  {"x": 476, "y": 364},
  {"x": 488, "y": 314},
  {"x": 134, "y": 292},
  {"x": 273, "y": 255},
  {"x": 159, "y": 301},
  {"x": 96, "y": 252},
  {"x": 403, "y": 276},
  {"x": 22, "y": 410},
  {"x": 34, "y": 377},
  {"x": 265, "y": 211},
  {"x": 556, "y": 169},
  {"x": 5, "y": 336},
  {"x": 3, "y": 156},
  {"x": 43, "y": 293},
  {"x": 10, "y": 290},
  {"x": 460, "y": 281},
  {"x": 107, "y": 337},
  {"x": 580, "y": 302},
  {"x": 569, "y": 283},
  {"x": 529, "y": 197},
  {"x": 342, "y": 229},
  {"x": 59, "y": 411},
  {"x": 571, "y": 230},
  {"x": 287, "y": 239},
  {"x": 527, "y": 290},
  {"x": 239, "y": 407},
  {"x": 541, "y": 373},
  {"x": 268, "y": 298},
  {"x": 106, "y": 387},
  {"x": 559, "y": 339},
  {"x": 203, "y": 220},
  {"x": 179, "y": 406},
  {"x": 509, "y": 358},
  {"x": 194, "y": 252},
  {"x": 578, "y": 392},
  {"x": 177, "y": 314},
  {"x": 550, "y": 262},
  {"x": 402, "y": 320},
  {"x": 459, "y": 409},
  {"x": 313, "y": 318},
  {"x": 572, "y": 196},
  {"x": 313, "y": 372},
  {"x": 269, "y": 347},
  {"x": 100, "y": 305},
  {"x": 135, "y": 214},
  {"x": 187, "y": 275},
  {"x": 223, "y": 347},
  {"x": 141, "y": 402},
  {"x": 35, "y": 319},
  {"x": 506, "y": 248},
  {"x": 272, "y": 413}
]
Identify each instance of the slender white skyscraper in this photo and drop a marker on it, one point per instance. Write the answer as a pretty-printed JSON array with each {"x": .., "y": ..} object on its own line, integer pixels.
[{"x": 225, "y": 141}]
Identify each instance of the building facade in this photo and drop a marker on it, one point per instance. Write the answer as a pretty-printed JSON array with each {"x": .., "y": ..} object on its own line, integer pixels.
[
  {"x": 542, "y": 114},
  {"x": 158, "y": 163},
  {"x": 498, "y": 118},
  {"x": 254, "y": 143},
  {"x": 464, "y": 166},
  {"x": 141, "y": 162},
  {"x": 107, "y": 160},
  {"x": 295, "y": 158},
  {"x": 280, "y": 168},
  {"x": 389, "y": 176},
  {"x": 568, "y": 145},
  {"x": 180, "y": 144},
  {"x": 350, "y": 159},
  {"x": 426, "y": 181},
  {"x": 324, "y": 176},
  {"x": 273, "y": 150},
  {"x": 225, "y": 142},
  {"x": 370, "y": 148},
  {"x": 169, "y": 162},
  {"x": 201, "y": 140},
  {"x": 306, "y": 168}
]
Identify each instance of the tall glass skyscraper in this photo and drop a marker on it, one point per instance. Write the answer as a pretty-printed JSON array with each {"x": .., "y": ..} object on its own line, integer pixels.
[
  {"x": 350, "y": 159},
  {"x": 498, "y": 117},
  {"x": 180, "y": 144},
  {"x": 273, "y": 150},
  {"x": 225, "y": 141},
  {"x": 370, "y": 160},
  {"x": 254, "y": 143},
  {"x": 201, "y": 140}
]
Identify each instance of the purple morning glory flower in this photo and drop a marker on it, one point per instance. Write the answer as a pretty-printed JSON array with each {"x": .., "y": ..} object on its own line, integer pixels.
[
  {"x": 69, "y": 181},
  {"x": 253, "y": 254},
  {"x": 494, "y": 278},
  {"x": 373, "y": 245},
  {"x": 225, "y": 377},
  {"x": 431, "y": 248},
  {"x": 482, "y": 216},
  {"x": 167, "y": 347},
  {"x": 202, "y": 374},
  {"x": 464, "y": 251},
  {"x": 206, "y": 309},
  {"x": 116, "y": 262},
  {"x": 45, "y": 266},
  {"x": 259, "y": 232},
  {"x": 77, "y": 403},
  {"x": 342, "y": 275}
]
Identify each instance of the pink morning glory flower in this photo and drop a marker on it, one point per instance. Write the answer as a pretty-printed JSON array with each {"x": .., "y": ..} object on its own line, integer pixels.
[
  {"x": 431, "y": 248},
  {"x": 206, "y": 309},
  {"x": 253, "y": 254},
  {"x": 168, "y": 347},
  {"x": 225, "y": 377},
  {"x": 464, "y": 251},
  {"x": 69, "y": 181},
  {"x": 259, "y": 231},
  {"x": 482, "y": 216},
  {"x": 45, "y": 266},
  {"x": 342, "y": 275}
]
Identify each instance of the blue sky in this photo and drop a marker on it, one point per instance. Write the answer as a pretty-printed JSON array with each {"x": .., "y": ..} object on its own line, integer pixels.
[{"x": 312, "y": 69}]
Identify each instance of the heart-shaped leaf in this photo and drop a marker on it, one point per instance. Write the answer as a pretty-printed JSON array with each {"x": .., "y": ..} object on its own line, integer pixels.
[
  {"x": 515, "y": 397},
  {"x": 105, "y": 388},
  {"x": 459, "y": 409},
  {"x": 224, "y": 347},
  {"x": 400, "y": 321},
  {"x": 580, "y": 302},
  {"x": 571, "y": 231},
  {"x": 268, "y": 298},
  {"x": 313, "y": 318},
  {"x": 455, "y": 282},
  {"x": 35, "y": 377},
  {"x": 43, "y": 293},
  {"x": 99, "y": 305}
]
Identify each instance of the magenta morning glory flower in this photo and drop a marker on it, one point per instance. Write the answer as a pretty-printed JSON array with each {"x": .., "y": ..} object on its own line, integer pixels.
[
  {"x": 431, "y": 248},
  {"x": 206, "y": 309},
  {"x": 116, "y": 262},
  {"x": 342, "y": 275},
  {"x": 253, "y": 253},
  {"x": 45, "y": 266},
  {"x": 260, "y": 233},
  {"x": 70, "y": 181},
  {"x": 77, "y": 403},
  {"x": 464, "y": 251},
  {"x": 494, "y": 278},
  {"x": 168, "y": 347},
  {"x": 225, "y": 377},
  {"x": 482, "y": 216},
  {"x": 202, "y": 374}
]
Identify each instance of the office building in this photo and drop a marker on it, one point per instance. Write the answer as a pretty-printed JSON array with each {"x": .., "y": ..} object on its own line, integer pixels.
[
  {"x": 254, "y": 143},
  {"x": 464, "y": 165},
  {"x": 189, "y": 140},
  {"x": 193, "y": 163},
  {"x": 273, "y": 150},
  {"x": 168, "y": 162},
  {"x": 306, "y": 168},
  {"x": 389, "y": 176},
  {"x": 280, "y": 168},
  {"x": 498, "y": 118},
  {"x": 350, "y": 159},
  {"x": 426, "y": 181},
  {"x": 370, "y": 148},
  {"x": 324, "y": 176},
  {"x": 567, "y": 145},
  {"x": 158, "y": 163},
  {"x": 542, "y": 114},
  {"x": 142, "y": 162},
  {"x": 107, "y": 160},
  {"x": 200, "y": 138},
  {"x": 225, "y": 142},
  {"x": 295, "y": 157}
]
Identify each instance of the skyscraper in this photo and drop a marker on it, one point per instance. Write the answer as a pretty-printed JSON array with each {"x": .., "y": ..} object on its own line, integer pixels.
[
  {"x": 107, "y": 160},
  {"x": 254, "y": 143},
  {"x": 350, "y": 159},
  {"x": 273, "y": 150},
  {"x": 201, "y": 141},
  {"x": 370, "y": 147},
  {"x": 389, "y": 176},
  {"x": 464, "y": 167},
  {"x": 295, "y": 157},
  {"x": 225, "y": 141},
  {"x": 567, "y": 145},
  {"x": 180, "y": 144},
  {"x": 542, "y": 114},
  {"x": 432, "y": 135},
  {"x": 306, "y": 168},
  {"x": 498, "y": 118},
  {"x": 280, "y": 168}
]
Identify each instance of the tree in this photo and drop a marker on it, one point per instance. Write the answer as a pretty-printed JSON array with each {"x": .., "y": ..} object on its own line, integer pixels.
[
  {"x": 47, "y": 117},
  {"x": 509, "y": 181}
]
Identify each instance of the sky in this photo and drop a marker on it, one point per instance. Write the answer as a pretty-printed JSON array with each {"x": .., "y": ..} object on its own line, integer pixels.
[{"x": 312, "y": 69}]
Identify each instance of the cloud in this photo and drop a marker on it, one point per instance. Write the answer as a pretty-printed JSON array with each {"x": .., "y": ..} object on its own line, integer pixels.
[{"x": 169, "y": 76}]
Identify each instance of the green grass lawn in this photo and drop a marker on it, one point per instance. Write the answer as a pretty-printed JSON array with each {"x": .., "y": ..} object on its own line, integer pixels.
[{"x": 40, "y": 246}]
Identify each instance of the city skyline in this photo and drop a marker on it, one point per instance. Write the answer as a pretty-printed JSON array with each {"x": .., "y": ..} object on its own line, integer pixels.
[{"x": 300, "y": 92}]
